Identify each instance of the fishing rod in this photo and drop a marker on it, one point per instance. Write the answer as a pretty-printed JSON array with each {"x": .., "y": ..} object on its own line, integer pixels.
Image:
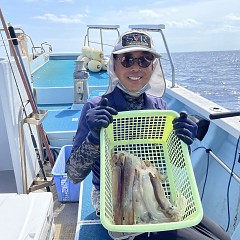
[
  {"x": 15, "y": 42},
  {"x": 224, "y": 115},
  {"x": 23, "y": 163},
  {"x": 28, "y": 90}
]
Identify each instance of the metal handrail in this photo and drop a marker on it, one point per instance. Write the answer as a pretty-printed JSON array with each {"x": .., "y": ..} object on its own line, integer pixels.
[
  {"x": 157, "y": 28},
  {"x": 100, "y": 28},
  {"x": 234, "y": 175},
  {"x": 49, "y": 45},
  {"x": 35, "y": 52}
]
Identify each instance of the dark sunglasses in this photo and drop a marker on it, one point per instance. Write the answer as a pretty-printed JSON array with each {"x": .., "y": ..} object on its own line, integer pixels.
[{"x": 144, "y": 61}]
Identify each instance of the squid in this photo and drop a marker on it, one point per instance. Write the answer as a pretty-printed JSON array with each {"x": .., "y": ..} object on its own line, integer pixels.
[
  {"x": 137, "y": 192},
  {"x": 150, "y": 200},
  {"x": 140, "y": 210},
  {"x": 117, "y": 189},
  {"x": 127, "y": 197},
  {"x": 154, "y": 170},
  {"x": 166, "y": 207}
]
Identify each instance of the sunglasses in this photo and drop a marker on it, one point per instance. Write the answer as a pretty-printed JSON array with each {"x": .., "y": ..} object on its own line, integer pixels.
[{"x": 144, "y": 61}]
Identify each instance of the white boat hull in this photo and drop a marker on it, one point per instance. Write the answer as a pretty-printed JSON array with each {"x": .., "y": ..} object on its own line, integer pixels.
[{"x": 26, "y": 216}]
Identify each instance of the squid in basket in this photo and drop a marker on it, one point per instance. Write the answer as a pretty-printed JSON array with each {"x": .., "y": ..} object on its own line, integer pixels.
[{"x": 137, "y": 193}]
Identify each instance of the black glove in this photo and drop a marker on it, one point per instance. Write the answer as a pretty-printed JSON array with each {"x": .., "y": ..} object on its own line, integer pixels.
[
  {"x": 98, "y": 117},
  {"x": 185, "y": 128}
]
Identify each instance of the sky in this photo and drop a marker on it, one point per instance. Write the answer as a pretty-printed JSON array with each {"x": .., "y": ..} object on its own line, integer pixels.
[{"x": 190, "y": 25}]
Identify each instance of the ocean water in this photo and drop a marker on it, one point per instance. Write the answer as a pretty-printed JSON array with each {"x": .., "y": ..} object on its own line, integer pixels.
[{"x": 213, "y": 75}]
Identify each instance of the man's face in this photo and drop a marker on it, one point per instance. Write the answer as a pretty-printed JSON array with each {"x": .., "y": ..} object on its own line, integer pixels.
[{"x": 133, "y": 78}]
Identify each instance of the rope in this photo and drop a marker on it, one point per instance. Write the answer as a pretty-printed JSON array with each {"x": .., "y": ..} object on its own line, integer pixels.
[{"x": 7, "y": 39}]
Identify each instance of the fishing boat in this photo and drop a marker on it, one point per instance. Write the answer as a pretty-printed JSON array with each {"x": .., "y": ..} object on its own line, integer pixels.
[{"x": 59, "y": 99}]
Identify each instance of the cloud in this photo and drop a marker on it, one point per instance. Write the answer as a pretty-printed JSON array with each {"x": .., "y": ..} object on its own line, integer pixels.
[
  {"x": 221, "y": 29},
  {"x": 61, "y": 18},
  {"x": 233, "y": 17},
  {"x": 187, "y": 23},
  {"x": 228, "y": 28},
  {"x": 149, "y": 13}
]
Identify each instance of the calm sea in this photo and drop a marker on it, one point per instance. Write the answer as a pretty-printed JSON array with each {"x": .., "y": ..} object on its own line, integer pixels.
[{"x": 213, "y": 75}]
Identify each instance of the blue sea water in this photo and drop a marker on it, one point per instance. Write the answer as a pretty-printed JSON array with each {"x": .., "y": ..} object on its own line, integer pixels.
[{"x": 213, "y": 75}]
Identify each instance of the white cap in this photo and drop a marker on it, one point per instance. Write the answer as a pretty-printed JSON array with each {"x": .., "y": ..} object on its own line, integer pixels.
[{"x": 135, "y": 41}]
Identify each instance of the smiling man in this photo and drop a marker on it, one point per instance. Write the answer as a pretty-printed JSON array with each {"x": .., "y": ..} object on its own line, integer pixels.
[{"x": 135, "y": 73}]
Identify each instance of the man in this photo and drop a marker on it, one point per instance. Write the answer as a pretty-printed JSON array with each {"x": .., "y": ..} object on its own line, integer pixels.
[{"x": 135, "y": 73}]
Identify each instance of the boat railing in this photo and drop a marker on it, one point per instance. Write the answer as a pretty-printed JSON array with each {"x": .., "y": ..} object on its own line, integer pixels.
[
  {"x": 35, "y": 53},
  {"x": 34, "y": 49},
  {"x": 157, "y": 28},
  {"x": 100, "y": 28},
  {"x": 222, "y": 164},
  {"x": 47, "y": 44}
]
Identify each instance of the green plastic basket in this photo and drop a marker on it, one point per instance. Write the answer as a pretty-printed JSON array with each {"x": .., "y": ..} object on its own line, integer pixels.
[{"x": 149, "y": 134}]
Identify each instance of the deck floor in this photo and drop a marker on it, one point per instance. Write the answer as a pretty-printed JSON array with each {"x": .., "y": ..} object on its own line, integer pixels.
[
  {"x": 65, "y": 218},
  {"x": 77, "y": 221},
  {"x": 89, "y": 226},
  {"x": 65, "y": 214}
]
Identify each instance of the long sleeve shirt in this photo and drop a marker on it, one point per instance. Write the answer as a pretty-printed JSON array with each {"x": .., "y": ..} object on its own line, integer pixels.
[{"x": 85, "y": 156}]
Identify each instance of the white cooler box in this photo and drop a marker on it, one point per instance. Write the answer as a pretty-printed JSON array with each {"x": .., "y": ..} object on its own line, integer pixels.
[{"x": 26, "y": 216}]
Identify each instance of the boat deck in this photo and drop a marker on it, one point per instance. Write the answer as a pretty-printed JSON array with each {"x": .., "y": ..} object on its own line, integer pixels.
[
  {"x": 61, "y": 121},
  {"x": 65, "y": 218},
  {"x": 65, "y": 214},
  {"x": 77, "y": 220},
  {"x": 88, "y": 223}
]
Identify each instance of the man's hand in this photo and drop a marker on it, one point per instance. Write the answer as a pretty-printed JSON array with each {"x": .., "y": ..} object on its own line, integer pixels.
[
  {"x": 98, "y": 117},
  {"x": 185, "y": 128}
]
